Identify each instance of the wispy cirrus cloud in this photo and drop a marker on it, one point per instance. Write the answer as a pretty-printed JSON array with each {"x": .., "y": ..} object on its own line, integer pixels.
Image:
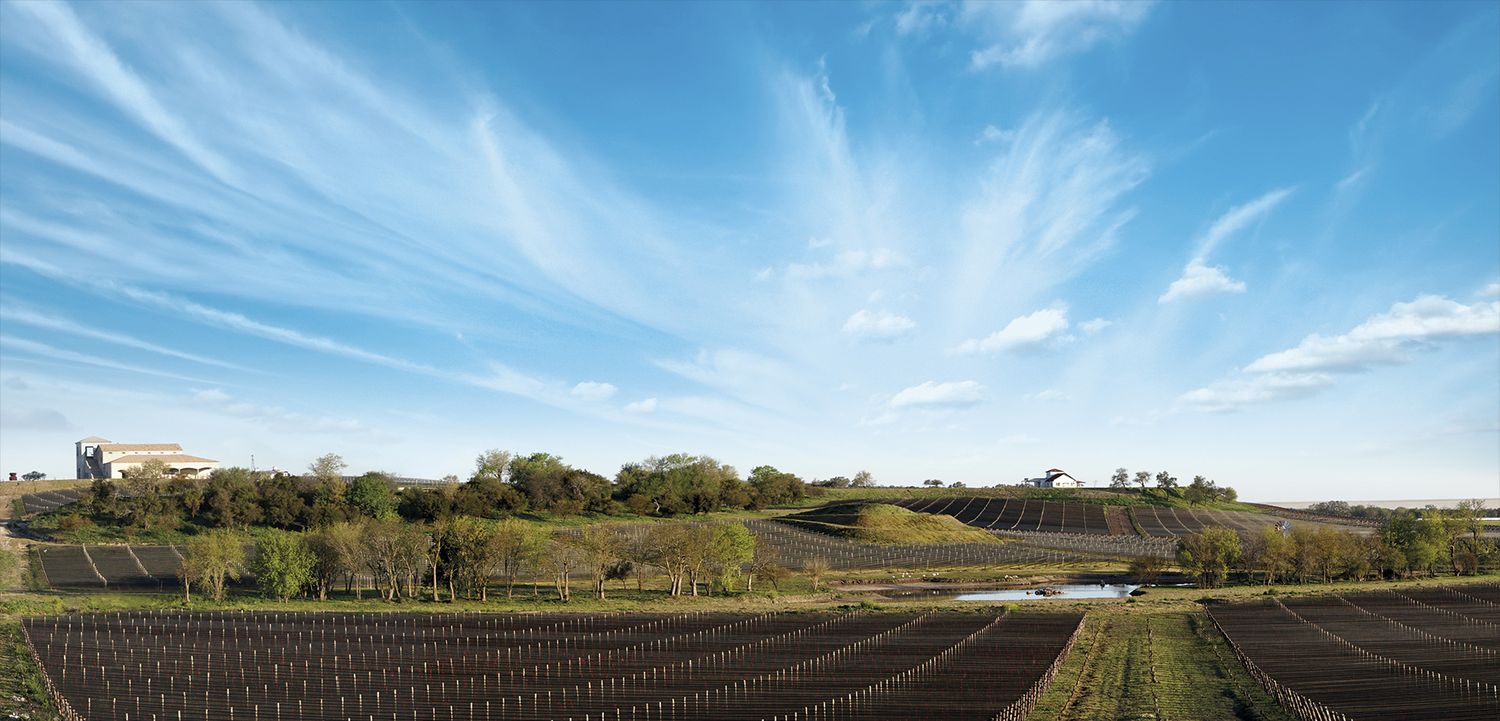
[
  {"x": 1030, "y": 34},
  {"x": 1198, "y": 277},
  {"x": 878, "y": 325}
]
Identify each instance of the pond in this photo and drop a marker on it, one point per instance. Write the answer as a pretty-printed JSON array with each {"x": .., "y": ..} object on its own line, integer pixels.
[{"x": 1069, "y": 590}]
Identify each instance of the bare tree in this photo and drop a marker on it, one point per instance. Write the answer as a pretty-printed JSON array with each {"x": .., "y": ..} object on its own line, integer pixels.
[{"x": 815, "y": 568}]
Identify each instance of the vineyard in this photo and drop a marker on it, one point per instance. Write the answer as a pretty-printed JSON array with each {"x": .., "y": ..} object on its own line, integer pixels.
[
  {"x": 238, "y": 666},
  {"x": 1432, "y": 653},
  {"x": 1079, "y": 519}
]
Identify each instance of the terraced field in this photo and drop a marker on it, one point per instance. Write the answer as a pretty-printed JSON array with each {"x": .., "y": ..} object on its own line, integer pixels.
[
  {"x": 1422, "y": 654},
  {"x": 721, "y": 666},
  {"x": 1085, "y": 519}
]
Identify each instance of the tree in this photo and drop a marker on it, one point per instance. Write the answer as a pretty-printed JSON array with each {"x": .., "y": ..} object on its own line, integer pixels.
[
  {"x": 933, "y": 483},
  {"x": 1166, "y": 480},
  {"x": 1201, "y": 490},
  {"x": 731, "y": 548},
  {"x": 1121, "y": 479},
  {"x": 209, "y": 560},
  {"x": 328, "y": 471},
  {"x": 372, "y": 495},
  {"x": 281, "y": 502},
  {"x": 815, "y": 568},
  {"x": 672, "y": 546},
  {"x": 862, "y": 479},
  {"x": 1146, "y": 569},
  {"x": 682, "y": 483},
  {"x": 188, "y": 491},
  {"x": 340, "y": 552},
  {"x": 493, "y": 464},
  {"x": 518, "y": 545},
  {"x": 33, "y": 476},
  {"x": 1271, "y": 552},
  {"x": 427, "y": 504},
  {"x": 144, "y": 485},
  {"x": 1209, "y": 554},
  {"x": 384, "y": 557},
  {"x": 231, "y": 498},
  {"x": 958, "y": 484},
  {"x": 766, "y": 564},
  {"x": 598, "y": 548},
  {"x": 558, "y": 560},
  {"x": 283, "y": 564}
]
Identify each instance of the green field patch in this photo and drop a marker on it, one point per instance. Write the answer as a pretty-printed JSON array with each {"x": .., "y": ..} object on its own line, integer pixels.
[{"x": 885, "y": 523}]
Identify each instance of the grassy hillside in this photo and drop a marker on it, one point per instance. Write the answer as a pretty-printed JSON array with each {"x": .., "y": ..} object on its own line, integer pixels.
[{"x": 885, "y": 523}]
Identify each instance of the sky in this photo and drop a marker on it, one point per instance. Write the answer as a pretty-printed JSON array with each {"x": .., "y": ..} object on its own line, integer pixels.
[{"x": 965, "y": 241}]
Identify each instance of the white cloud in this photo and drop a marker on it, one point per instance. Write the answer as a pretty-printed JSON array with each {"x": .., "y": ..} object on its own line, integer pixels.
[
  {"x": 1048, "y": 325},
  {"x": 594, "y": 391},
  {"x": 847, "y": 263},
  {"x": 645, "y": 405},
  {"x": 65, "y": 325},
  {"x": 1230, "y": 395},
  {"x": 1199, "y": 280},
  {"x": 1029, "y": 34},
  {"x": 1050, "y": 394},
  {"x": 920, "y": 17},
  {"x": 992, "y": 134},
  {"x": 878, "y": 325},
  {"x": 280, "y": 419},
  {"x": 932, "y": 394},
  {"x": 1198, "y": 277},
  {"x": 1090, "y": 327},
  {"x": 1048, "y": 206},
  {"x": 1352, "y": 180},
  {"x": 94, "y": 60},
  {"x": 1490, "y": 291},
  {"x": 1384, "y": 339}
]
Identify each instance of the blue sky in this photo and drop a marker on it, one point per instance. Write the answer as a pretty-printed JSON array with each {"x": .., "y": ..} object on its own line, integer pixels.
[{"x": 966, "y": 241}]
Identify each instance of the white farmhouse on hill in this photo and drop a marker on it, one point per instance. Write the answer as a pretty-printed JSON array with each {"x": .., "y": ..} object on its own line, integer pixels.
[
  {"x": 102, "y": 458},
  {"x": 1055, "y": 478}
]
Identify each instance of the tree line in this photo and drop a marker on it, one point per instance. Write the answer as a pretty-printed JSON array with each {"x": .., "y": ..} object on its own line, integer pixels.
[
  {"x": 1409, "y": 543},
  {"x": 462, "y": 557},
  {"x": 502, "y": 485},
  {"x": 1199, "y": 491}
]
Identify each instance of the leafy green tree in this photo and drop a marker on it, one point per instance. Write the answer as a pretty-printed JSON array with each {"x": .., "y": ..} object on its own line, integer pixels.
[
  {"x": 372, "y": 495},
  {"x": 1209, "y": 554},
  {"x": 487, "y": 497},
  {"x": 1142, "y": 478},
  {"x": 493, "y": 464},
  {"x": 517, "y": 546},
  {"x": 680, "y": 483},
  {"x": 281, "y": 503},
  {"x": 328, "y": 471},
  {"x": 427, "y": 504},
  {"x": 1121, "y": 479},
  {"x": 1272, "y": 553},
  {"x": 1200, "y": 491},
  {"x": 1417, "y": 543},
  {"x": 933, "y": 483},
  {"x": 231, "y": 498},
  {"x": 189, "y": 493},
  {"x": 774, "y": 487},
  {"x": 209, "y": 561},
  {"x": 862, "y": 479},
  {"x": 340, "y": 552},
  {"x": 731, "y": 549},
  {"x": 283, "y": 564},
  {"x": 33, "y": 476},
  {"x": 1165, "y": 480}
]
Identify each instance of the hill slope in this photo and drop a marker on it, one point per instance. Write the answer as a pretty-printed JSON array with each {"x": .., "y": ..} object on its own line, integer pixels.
[{"x": 886, "y": 523}]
